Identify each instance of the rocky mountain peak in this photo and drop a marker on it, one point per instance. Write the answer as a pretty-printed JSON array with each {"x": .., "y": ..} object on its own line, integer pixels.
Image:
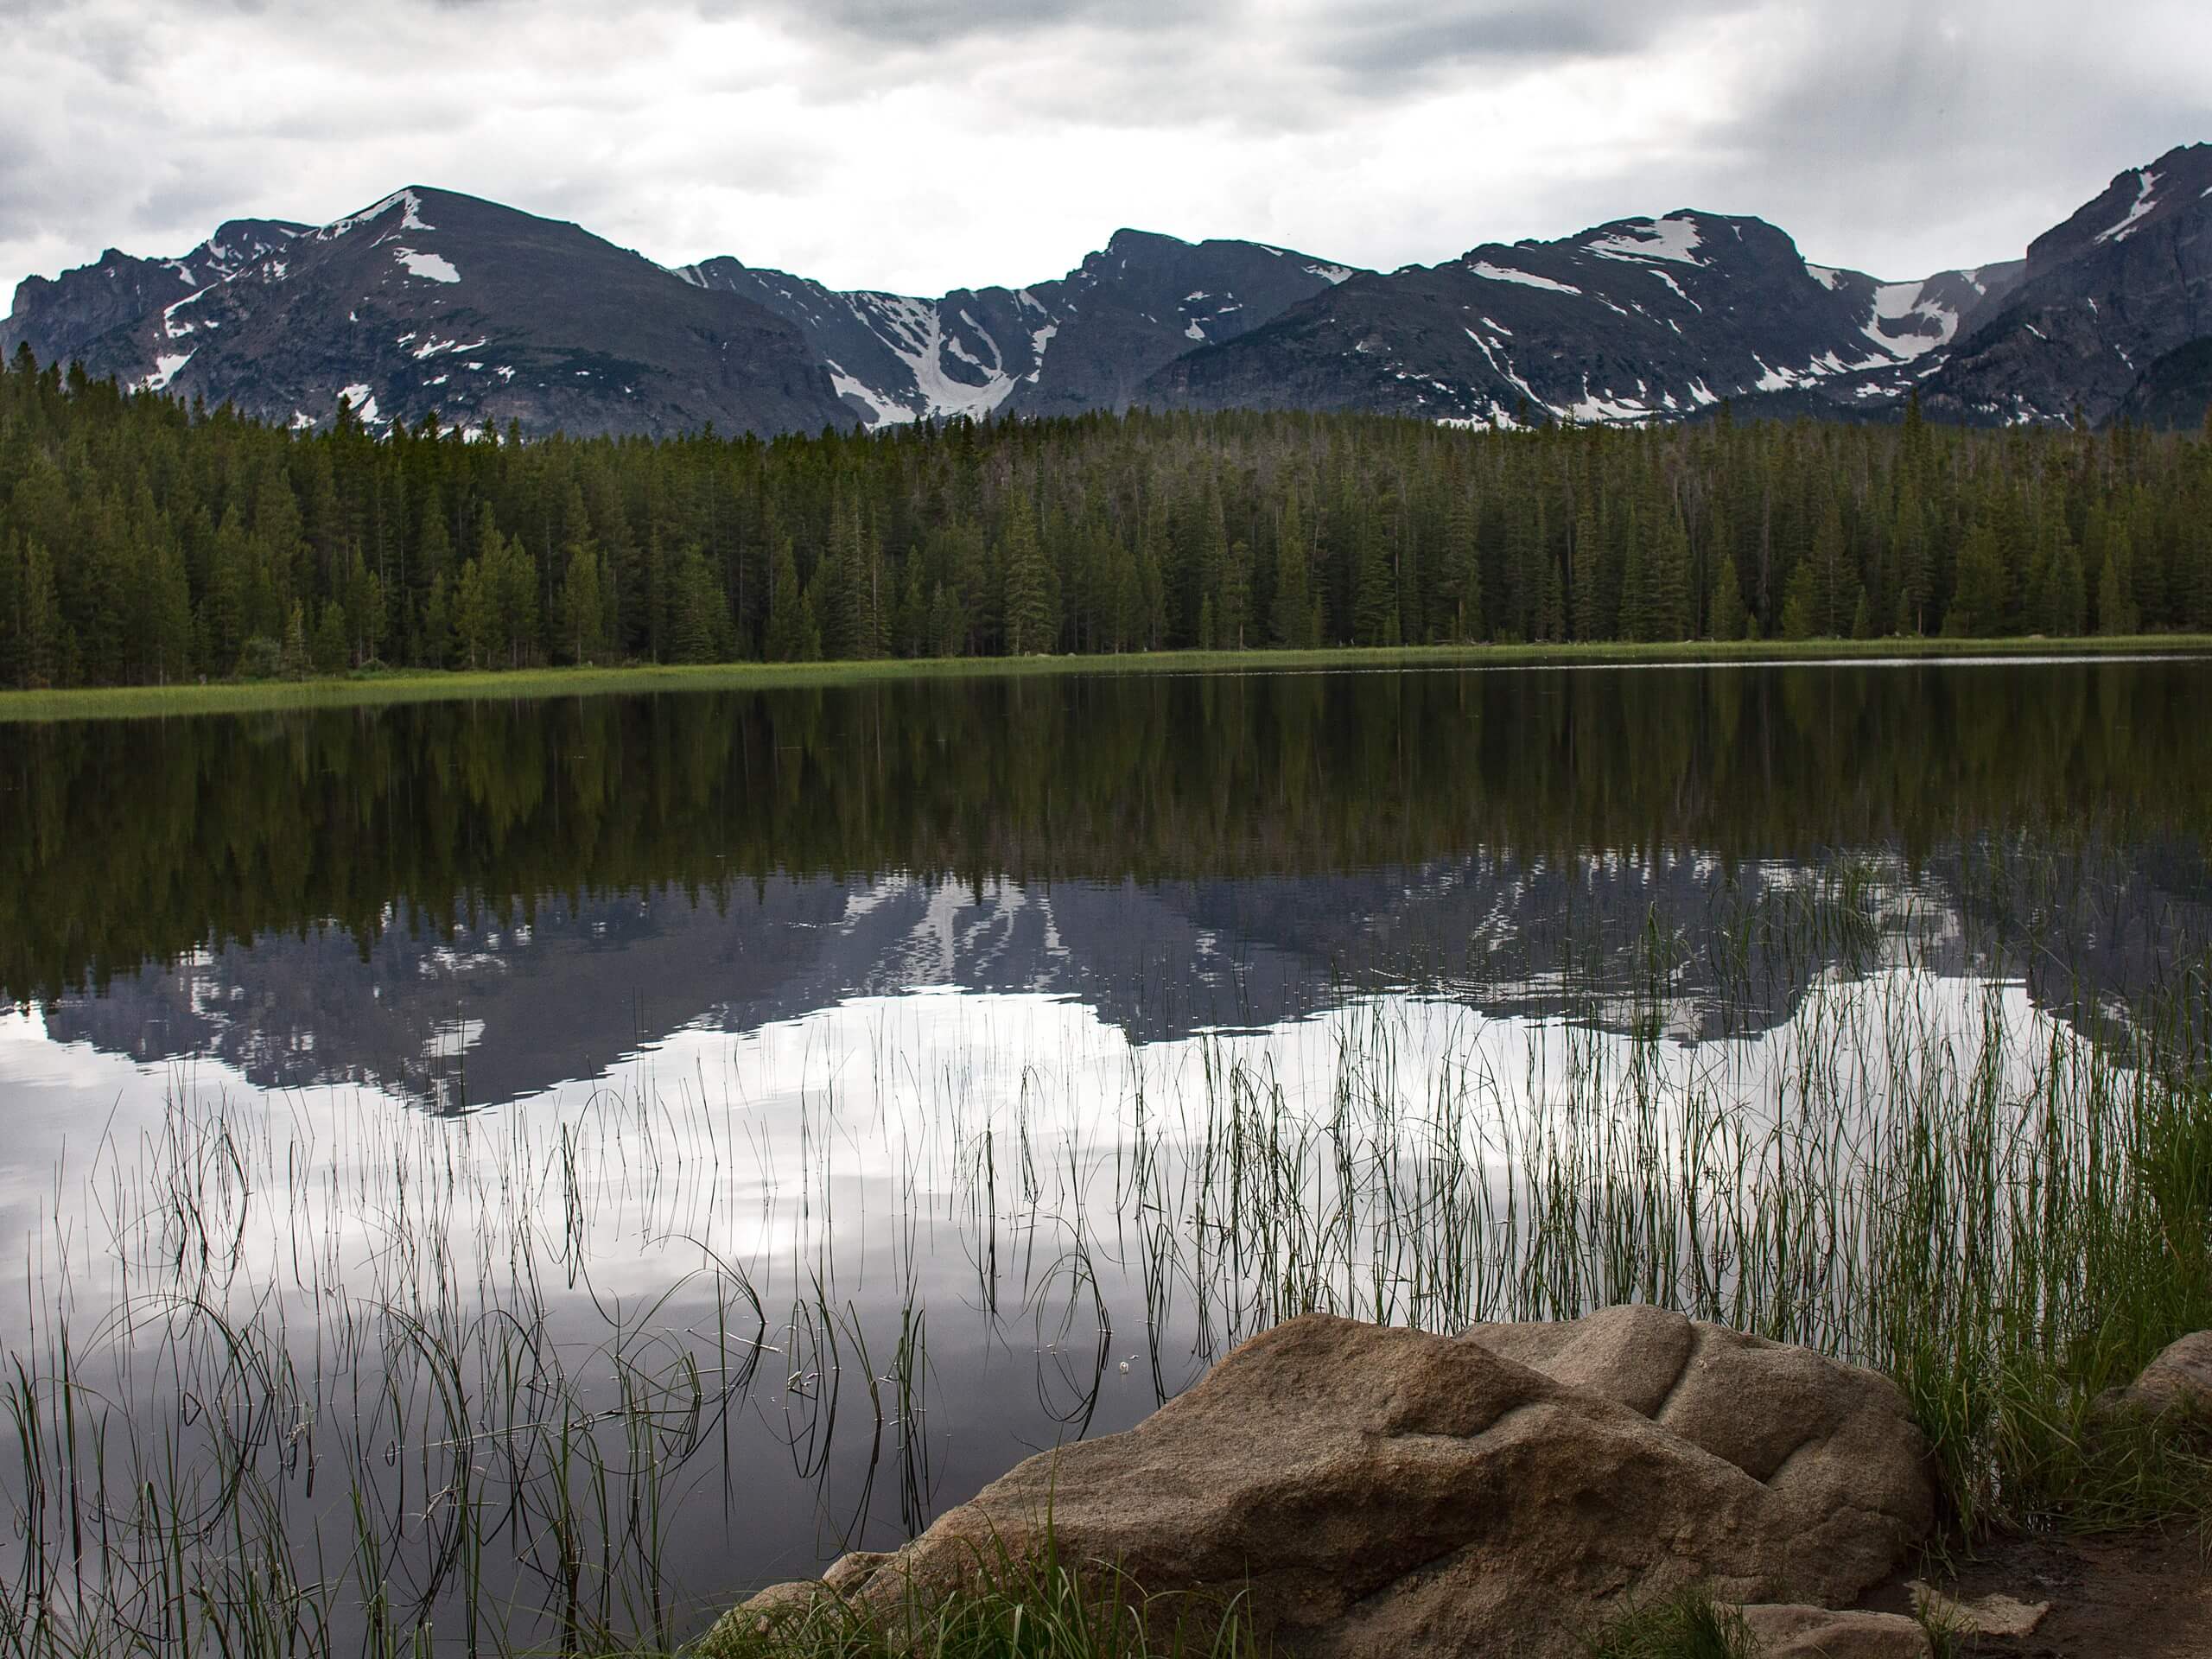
[{"x": 2142, "y": 199}]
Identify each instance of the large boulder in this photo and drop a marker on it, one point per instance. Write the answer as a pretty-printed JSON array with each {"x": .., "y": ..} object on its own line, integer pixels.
[{"x": 1371, "y": 1491}]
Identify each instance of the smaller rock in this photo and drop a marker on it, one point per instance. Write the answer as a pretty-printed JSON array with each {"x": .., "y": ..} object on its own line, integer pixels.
[
  {"x": 769, "y": 1606},
  {"x": 2179, "y": 1379},
  {"x": 1784, "y": 1631},
  {"x": 847, "y": 1573},
  {"x": 1992, "y": 1615},
  {"x": 781, "y": 1604}
]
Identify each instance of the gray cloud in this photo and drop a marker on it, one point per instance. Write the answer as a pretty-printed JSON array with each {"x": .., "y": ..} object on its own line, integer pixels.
[
  {"x": 1385, "y": 48},
  {"x": 934, "y": 24},
  {"x": 930, "y": 143}
]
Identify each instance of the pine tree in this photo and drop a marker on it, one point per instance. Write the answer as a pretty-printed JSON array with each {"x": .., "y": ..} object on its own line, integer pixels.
[
  {"x": 792, "y": 635},
  {"x": 1552, "y": 614},
  {"x": 1909, "y": 549},
  {"x": 437, "y": 625},
  {"x": 38, "y": 630},
  {"x": 582, "y": 609},
  {"x": 911, "y": 634},
  {"x": 476, "y": 615},
  {"x": 298, "y": 657},
  {"x": 1800, "y": 604},
  {"x": 512, "y": 583},
  {"x": 1293, "y": 611},
  {"x": 1833, "y": 585},
  {"x": 168, "y": 612},
  {"x": 2066, "y": 603},
  {"x": 947, "y": 626},
  {"x": 1030, "y": 624},
  {"x": 1375, "y": 600},
  {"x": 1976, "y": 609},
  {"x": 1667, "y": 580},
  {"x": 363, "y": 603},
  {"x": 1636, "y": 620},
  {"x": 1728, "y": 615},
  {"x": 1236, "y": 596},
  {"x": 1585, "y": 601},
  {"x": 699, "y": 612},
  {"x": 224, "y": 621},
  {"x": 1463, "y": 570},
  {"x": 331, "y": 647},
  {"x": 2116, "y": 611}
]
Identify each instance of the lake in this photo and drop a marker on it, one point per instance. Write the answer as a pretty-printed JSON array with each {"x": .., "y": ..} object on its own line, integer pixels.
[{"x": 569, "y": 1163}]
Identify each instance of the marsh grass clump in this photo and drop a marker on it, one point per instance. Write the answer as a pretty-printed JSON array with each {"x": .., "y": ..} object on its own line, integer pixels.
[
  {"x": 1012, "y": 1608},
  {"x": 1689, "y": 1624},
  {"x": 2012, "y": 1291}
]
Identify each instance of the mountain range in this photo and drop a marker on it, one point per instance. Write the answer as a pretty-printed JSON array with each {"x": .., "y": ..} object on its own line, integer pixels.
[{"x": 432, "y": 302}]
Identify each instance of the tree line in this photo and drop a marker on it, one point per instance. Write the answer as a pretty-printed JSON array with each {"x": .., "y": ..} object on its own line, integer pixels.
[{"x": 142, "y": 541}]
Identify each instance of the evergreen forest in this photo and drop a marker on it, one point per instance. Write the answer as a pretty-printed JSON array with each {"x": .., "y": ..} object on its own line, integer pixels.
[{"x": 145, "y": 542}]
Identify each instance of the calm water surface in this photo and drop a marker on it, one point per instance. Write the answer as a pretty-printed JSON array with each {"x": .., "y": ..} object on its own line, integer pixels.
[{"x": 902, "y": 1059}]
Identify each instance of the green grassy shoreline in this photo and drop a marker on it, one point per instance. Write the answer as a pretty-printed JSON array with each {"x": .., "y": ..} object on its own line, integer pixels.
[{"x": 374, "y": 690}]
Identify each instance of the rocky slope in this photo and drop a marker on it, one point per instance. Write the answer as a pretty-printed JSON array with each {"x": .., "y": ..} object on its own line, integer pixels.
[
  {"x": 60, "y": 317},
  {"x": 1084, "y": 341},
  {"x": 1633, "y": 320},
  {"x": 431, "y": 301},
  {"x": 2112, "y": 312}
]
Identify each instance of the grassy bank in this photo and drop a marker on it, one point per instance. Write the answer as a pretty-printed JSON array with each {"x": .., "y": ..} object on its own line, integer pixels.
[{"x": 375, "y": 689}]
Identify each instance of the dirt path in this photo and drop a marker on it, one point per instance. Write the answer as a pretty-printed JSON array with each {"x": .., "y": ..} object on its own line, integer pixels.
[{"x": 2132, "y": 1595}]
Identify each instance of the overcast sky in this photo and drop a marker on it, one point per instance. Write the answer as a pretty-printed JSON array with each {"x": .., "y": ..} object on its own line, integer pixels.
[{"x": 926, "y": 145}]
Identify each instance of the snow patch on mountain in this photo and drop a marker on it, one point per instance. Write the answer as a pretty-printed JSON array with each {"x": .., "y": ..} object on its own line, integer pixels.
[
  {"x": 1895, "y": 302},
  {"x": 1040, "y": 338},
  {"x": 1773, "y": 379},
  {"x": 881, "y": 411},
  {"x": 1505, "y": 371},
  {"x": 171, "y": 326},
  {"x": 1490, "y": 272},
  {"x": 2146, "y": 183},
  {"x": 430, "y": 266},
  {"x": 165, "y": 370},
  {"x": 917, "y": 335},
  {"x": 1676, "y": 239},
  {"x": 1607, "y": 408},
  {"x": 435, "y": 347},
  {"x": 1668, "y": 278},
  {"x": 1332, "y": 275},
  {"x": 411, "y": 218},
  {"x": 364, "y": 405}
]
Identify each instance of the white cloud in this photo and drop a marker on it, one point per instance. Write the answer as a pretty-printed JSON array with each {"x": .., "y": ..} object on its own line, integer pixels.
[{"x": 924, "y": 144}]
